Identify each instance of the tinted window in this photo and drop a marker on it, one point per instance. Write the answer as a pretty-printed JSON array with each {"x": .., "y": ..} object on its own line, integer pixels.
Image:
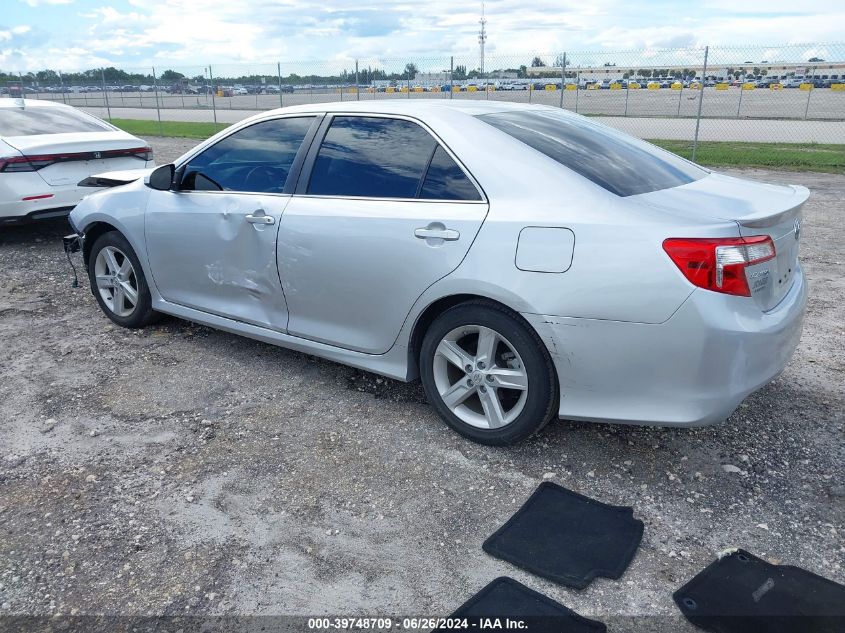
[
  {"x": 621, "y": 164},
  {"x": 446, "y": 181},
  {"x": 16, "y": 121},
  {"x": 373, "y": 157},
  {"x": 255, "y": 159}
]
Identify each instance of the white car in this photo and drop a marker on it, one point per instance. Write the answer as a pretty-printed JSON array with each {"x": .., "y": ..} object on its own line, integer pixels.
[{"x": 47, "y": 148}]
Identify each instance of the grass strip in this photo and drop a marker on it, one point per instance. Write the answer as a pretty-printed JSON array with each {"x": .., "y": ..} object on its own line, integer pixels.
[{"x": 791, "y": 156}]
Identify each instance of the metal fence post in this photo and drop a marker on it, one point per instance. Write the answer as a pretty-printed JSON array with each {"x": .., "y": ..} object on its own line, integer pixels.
[
  {"x": 562, "y": 80},
  {"x": 158, "y": 107},
  {"x": 409, "y": 80},
  {"x": 279, "y": 72},
  {"x": 357, "y": 83},
  {"x": 809, "y": 92},
  {"x": 700, "y": 102},
  {"x": 577, "y": 89},
  {"x": 451, "y": 74},
  {"x": 62, "y": 82},
  {"x": 105, "y": 93},
  {"x": 213, "y": 94},
  {"x": 681, "y": 92},
  {"x": 627, "y": 92},
  {"x": 739, "y": 105}
]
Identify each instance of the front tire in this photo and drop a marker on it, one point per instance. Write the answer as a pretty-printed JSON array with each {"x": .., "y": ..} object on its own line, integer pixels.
[
  {"x": 118, "y": 282},
  {"x": 488, "y": 374}
]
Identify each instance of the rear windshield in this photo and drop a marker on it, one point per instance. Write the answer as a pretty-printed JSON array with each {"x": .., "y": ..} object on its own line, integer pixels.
[
  {"x": 46, "y": 120},
  {"x": 621, "y": 164}
]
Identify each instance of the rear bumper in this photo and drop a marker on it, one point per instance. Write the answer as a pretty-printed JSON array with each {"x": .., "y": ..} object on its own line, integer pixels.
[
  {"x": 60, "y": 202},
  {"x": 34, "y": 216},
  {"x": 692, "y": 370}
]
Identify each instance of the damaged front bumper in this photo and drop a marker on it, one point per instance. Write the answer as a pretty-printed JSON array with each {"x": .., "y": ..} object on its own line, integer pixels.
[{"x": 73, "y": 242}]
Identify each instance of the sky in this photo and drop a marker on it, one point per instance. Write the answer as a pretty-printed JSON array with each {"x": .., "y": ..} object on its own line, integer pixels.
[{"x": 190, "y": 34}]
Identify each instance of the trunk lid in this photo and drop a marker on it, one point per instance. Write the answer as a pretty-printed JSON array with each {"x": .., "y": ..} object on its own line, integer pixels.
[
  {"x": 115, "y": 178},
  {"x": 85, "y": 146},
  {"x": 758, "y": 209}
]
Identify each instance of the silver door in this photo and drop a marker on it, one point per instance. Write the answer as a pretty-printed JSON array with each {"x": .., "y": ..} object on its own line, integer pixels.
[
  {"x": 352, "y": 269},
  {"x": 212, "y": 242},
  {"x": 381, "y": 211},
  {"x": 215, "y": 252}
]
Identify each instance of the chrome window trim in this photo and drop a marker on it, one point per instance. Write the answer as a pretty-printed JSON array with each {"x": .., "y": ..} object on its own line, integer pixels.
[
  {"x": 377, "y": 199},
  {"x": 225, "y": 192},
  {"x": 404, "y": 117}
]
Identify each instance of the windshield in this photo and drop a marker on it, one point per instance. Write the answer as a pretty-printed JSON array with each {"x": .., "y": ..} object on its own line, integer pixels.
[
  {"x": 46, "y": 120},
  {"x": 615, "y": 161}
]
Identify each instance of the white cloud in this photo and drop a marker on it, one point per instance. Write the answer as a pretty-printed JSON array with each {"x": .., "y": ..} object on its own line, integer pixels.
[
  {"x": 194, "y": 33},
  {"x": 41, "y": 3}
]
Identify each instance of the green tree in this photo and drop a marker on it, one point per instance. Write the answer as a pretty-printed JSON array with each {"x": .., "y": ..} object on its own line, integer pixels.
[
  {"x": 171, "y": 76},
  {"x": 537, "y": 63},
  {"x": 460, "y": 72},
  {"x": 411, "y": 71}
]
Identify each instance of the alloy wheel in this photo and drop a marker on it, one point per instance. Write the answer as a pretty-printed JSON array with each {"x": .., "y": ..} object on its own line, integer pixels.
[
  {"x": 480, "y": 376},
  {"x": 116, "y": 281}
]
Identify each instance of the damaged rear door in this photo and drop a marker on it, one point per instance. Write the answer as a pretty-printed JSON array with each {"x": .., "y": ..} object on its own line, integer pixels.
[{"x": 211, "y": 241}]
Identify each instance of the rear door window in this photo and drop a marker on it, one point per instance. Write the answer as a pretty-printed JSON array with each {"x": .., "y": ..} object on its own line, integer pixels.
[
  {"x": 615, "y": 161},
  {"x": 371, "y": 157},
  {"x": 256, "y": 159},
  {"x": 36, "y": 120}
]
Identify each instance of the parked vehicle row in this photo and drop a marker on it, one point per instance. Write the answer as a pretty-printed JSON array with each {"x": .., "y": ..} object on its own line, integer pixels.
[{"x": 399, "y": 86}]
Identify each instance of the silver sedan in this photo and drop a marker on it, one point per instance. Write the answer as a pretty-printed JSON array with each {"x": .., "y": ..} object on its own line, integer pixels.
[{"x": 524, "y": 262}]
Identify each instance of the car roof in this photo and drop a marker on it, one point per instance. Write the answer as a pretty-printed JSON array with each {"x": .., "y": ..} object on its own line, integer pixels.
[
  {"x": 22, "y": 104},
  {"x": 419, "y": 107}
]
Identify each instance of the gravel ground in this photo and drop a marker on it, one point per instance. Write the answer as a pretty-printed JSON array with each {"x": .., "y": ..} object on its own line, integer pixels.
[{"x": 182, "y": 471}]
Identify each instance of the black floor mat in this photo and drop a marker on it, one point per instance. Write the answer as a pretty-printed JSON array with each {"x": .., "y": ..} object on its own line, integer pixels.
[
  {"x": 506, "y": 599},
  {"x": 742, "y": 593},
  {"x": 569, "y": 538}
]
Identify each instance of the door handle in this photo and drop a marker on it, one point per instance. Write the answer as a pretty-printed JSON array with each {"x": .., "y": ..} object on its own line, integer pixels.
[
  {"x": 449, "y": 235},
  {"x": 259, "y": 217}
]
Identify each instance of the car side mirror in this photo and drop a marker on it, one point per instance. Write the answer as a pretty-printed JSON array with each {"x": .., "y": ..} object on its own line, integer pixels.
[{"x": 161, "y": 178}]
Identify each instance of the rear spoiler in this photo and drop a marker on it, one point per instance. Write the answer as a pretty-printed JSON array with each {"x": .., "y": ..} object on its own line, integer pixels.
[{"x": 114, "y": 178}]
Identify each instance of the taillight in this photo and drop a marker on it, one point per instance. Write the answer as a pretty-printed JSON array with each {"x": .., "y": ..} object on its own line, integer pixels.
[
  {"x": 719, "y": 264},
  {"x": 34, "y": 163},
  {"x": 144, "y": 153},
  {"x": 22, "y": 163}
]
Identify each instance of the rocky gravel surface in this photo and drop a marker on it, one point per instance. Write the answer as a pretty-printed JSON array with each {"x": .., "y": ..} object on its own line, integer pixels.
[{"x": 182, "y": 471}]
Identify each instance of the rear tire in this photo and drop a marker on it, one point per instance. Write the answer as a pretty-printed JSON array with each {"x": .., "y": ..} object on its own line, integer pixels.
[
  {"x": 488, "y": 374},
  {"x": 118, "y": 282}
]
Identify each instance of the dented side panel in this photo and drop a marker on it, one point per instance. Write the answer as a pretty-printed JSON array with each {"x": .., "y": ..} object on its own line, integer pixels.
[{"x": 205, "y": 254}]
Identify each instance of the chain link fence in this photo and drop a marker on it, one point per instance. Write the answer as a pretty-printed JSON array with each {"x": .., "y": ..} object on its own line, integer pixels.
[{"x": 787, "y": 93}]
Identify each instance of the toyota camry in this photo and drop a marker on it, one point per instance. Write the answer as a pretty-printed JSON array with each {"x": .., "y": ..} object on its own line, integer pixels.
[{"x": 523, "y": 262}]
